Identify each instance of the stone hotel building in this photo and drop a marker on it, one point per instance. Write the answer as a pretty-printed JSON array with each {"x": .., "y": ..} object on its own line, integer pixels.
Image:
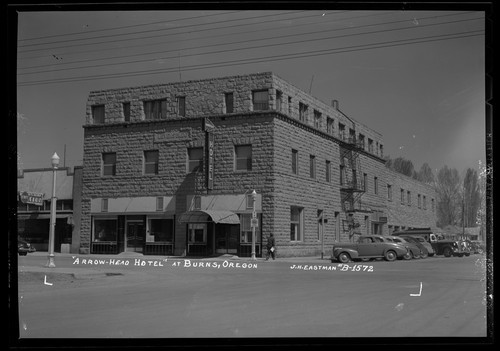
[{"x": 169, "y": 169}]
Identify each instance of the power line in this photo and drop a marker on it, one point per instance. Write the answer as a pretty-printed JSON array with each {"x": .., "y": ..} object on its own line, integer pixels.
[
  {"x": 212, "y": 36},
  {"x": 245, "y": 48},
  {"x": 129, "y": 26},
  {"x": 247, "y": 41},
  {"x": 154, "y": 30},
  {"x": 388, "y": 44}
]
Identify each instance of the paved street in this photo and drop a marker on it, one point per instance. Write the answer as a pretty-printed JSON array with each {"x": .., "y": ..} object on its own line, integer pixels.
[{"x": 437, "y": 296}]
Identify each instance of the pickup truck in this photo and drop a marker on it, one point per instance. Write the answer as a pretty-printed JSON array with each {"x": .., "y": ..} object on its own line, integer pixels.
[{"x": 368, "y": 247}]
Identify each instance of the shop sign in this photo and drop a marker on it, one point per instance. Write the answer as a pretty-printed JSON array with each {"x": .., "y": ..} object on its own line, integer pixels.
[
  {"x": 210, "y": 159},
  {"x": 254, "y": 223},
  {"x": 31, "y": 198}
]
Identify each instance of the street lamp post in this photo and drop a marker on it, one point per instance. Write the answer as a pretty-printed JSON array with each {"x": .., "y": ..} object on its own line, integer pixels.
[
  {"x": 55, "y": 163},
  {"x": 254, "y": 219}
]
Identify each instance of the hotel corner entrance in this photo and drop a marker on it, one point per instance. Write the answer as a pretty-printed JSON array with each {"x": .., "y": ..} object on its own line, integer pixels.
[{"x": 226, "y": 238}]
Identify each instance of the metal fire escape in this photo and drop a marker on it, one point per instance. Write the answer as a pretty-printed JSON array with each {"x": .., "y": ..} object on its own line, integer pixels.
[{"x": 352, "y": 187}]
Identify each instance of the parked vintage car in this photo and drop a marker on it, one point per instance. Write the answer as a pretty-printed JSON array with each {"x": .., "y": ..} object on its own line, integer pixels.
[
  {"x": 477, "y": 246},
  {"x": 413, "y": 250},
  {"x": 368, "y": 247},
  {"x": 424, "y": 246},
  {"x": 23, "y": 247}
]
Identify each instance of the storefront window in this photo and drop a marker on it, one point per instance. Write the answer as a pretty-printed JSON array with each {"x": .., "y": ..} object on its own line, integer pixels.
[
  {"x": 197, "y": 233},
  {"x": 105, "y": 230},
  {"x": 161, "y": 230},
  {"x": 246, "y": 229}
]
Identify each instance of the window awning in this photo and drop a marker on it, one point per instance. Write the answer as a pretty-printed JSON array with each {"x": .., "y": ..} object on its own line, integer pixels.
[{"x": 223, "y": 217}]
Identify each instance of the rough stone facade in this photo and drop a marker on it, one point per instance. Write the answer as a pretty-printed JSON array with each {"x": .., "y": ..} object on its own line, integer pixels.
[{"x": 275, "y": 130}]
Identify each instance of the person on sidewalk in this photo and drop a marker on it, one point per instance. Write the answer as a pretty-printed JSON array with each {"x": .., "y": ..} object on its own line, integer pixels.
[{"x": 271, "y": 247}]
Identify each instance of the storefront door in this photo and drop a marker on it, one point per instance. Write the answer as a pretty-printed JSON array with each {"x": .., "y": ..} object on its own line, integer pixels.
[
  {"x": 135, "y": 236},
  {"x": 226, "y": 238}
]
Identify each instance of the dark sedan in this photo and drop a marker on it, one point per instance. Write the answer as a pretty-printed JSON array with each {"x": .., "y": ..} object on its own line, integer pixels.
[{"x": 23, "y": 247}]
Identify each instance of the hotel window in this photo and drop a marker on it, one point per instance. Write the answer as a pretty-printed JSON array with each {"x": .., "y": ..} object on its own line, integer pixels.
[
  {"x": 375, "y": 185},
  {"x": 126, "y": 111},
  {"x": 109, "y": 164},
  {"x": 155, "y": 109},
  {"x": 408, "y": 197},
  {"x": 260, "y": 100},
  {"x": 317, "y": 119},
  {"x": 328, "y": 171},
  {"x": 402, "y": 197},
  {"x": 352, "y": 136},
  {"x": 98, "y": 114},
  {"x": 104, "y": 205},
  {"x": 365, "y": 182},
  {"x": 289, "y": 105},
  {"x": 197, "y": 233},
  {"x": 295, "y": 161},
  {"x": 195, "y": 159},
  {"x": 302, "y": 112},
  {"x": 279, "y": 100},
  {"x": 341, "y": 131},
  {"x": 161, "y": 229},
  {"x": 370, "y": 145},
  {"x": 381, "y": 150},
  {"x": 296, "y": 220},
  {"x": 342, "y": 170},
  {"x": 312, "y": 166},
  {"x": 425, "y": 202},
  {"x": 243, "y": 157},
  {"x": 389, "y": 192},
  {"x": 151, "y": 162},
  {"x": 246, "y": 229},
  {"x": 105, "y": 230},
  {"x": 419, "y": 204},
  {"x": 361, "y": 143},
  {"x": 181, "y": 106},
  {"x": 229, "y": 100},
  {"x": 330, "y": 126}
]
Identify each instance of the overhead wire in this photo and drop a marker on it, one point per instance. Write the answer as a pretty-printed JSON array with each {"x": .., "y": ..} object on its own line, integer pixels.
[
  {"x": 387, "y": 44},
  {"x": 246, "y": 41},
  {"x": 244, "y": 48}
]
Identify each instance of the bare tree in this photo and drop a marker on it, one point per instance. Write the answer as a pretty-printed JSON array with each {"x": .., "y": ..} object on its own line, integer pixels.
[
  {"x": 425, "y": 174},
  {"x": 471, "y": 198},
  {"x": 449, "y": 202}
]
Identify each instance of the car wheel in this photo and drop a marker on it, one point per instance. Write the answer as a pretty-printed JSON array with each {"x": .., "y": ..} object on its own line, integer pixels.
[
  {"x": 447, "y": 252},
  {"x": 344, "y": 257},
  {"x": 424, "y": 255},
  {"x": 390, "y": 256},
  {"x": 467, "y": 254},
  {"x": 408, "y": 256}
]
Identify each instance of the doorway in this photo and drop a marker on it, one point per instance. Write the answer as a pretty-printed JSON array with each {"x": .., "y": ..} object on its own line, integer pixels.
[
  {"x": 135, "y": 236},
  {"x": 226, "y": 238}
]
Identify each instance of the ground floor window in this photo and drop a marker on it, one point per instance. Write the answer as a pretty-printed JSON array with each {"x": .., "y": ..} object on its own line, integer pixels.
[
  {"x": 105, "y": 230},
  {"x": 160, "y": 230},
  {"x": 296, "y": 223}
]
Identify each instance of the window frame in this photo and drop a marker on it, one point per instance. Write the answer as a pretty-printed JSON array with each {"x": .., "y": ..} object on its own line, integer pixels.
[
  {"x": 160, "y": 104},
  {"x": 237, "y": 160},
  {"x": 181, "y": 106},
  {"x": 147, "y": 163},
  {"x": 105, "y": 166},
  {"x": 295, "y": 162},
  {"x": 96, "y": 118},
  {"x": 298, "y": 225},
  {"x": 190, "y": 164},
  {"x": 312, "y": 166},
  {"x": 229, "y": 102},
  {"x": 126, "y": 111},
  {"x": 258, "y": 104}
]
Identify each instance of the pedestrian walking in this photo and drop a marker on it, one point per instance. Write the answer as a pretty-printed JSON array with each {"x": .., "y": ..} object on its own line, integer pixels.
[{"x": 271, "y": 247}]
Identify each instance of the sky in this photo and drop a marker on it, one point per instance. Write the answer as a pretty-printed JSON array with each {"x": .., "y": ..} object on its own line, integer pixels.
[{"x": 416, "y": 77}]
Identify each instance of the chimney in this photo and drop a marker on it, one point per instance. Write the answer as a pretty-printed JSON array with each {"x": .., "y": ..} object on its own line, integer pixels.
[{"x": 335, "y": 104}]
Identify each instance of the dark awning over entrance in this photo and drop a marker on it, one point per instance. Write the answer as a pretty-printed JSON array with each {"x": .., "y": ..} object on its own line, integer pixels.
[{"x": 224, "y": 217}]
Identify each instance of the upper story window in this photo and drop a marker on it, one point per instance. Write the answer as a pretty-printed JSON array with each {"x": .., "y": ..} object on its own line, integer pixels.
[
  {"x": 260, "y": 100},
  {"x": 109, "y": 164},
  {"x": 425, "y": 203},
  {"x": 365, "y": 182},
  {"x": 290, "y": 105},
  {"x": 389, "y": 192},
  {"x": 381, "y": 150},
  {"x": 243, "y": 157},
  {"x": 295, "y": 161},
  {"x": 419, "y": 203},
  {"x": 181, "y": 106},
  {"x": 317, "y": 119},
  {"x": 98, "y": 114},
  {"x": 155, "y": 109},
  {"x": 370, "y": 145},
  {"x": 328, "y": 171},
  {"x": 126, "y": 111},
  {"x": 341, "y": 131},
  {"x": 330, "y": 125},
  {"x": 402, "y": 197},
  {"x": 151, "y": 159},
  {"x": 375, "y": 185},
  {"x": 361, "y": 141},
  {"x": 229, "y": 100},
  {"x": 302, "y": 112},
  {"x": 312, "y": 166},
  {"x": 408, "y": 197},
  {"x": 352, "y": 135},
  {"x": 279, "y": 100},
  {"x": 195, "y": 159}
]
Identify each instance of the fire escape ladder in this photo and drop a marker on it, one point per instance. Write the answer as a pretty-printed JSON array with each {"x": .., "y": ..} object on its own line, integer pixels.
[{"x": 353, "y": 188}]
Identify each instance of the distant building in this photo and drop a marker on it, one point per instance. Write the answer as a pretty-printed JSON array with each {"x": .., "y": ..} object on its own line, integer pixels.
[
  {"x": 169, "y": 168},
  {"x": 33, "y": 207}
]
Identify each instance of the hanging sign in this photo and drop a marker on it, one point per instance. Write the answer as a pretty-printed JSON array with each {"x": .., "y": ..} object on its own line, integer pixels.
[{"x": 31, "y": 198}]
